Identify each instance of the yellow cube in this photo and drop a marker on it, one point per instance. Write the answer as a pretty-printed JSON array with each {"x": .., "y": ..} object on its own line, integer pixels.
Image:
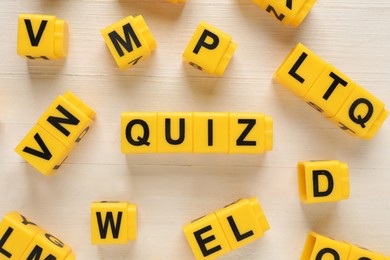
[
  {"x": 209, "y": 49},
  {"x": 42, "y": 37},
  {"x": 211, "y": 132},
  {"x": 327, "y": 90},
  {"x": 129, "y": 41},
  {"x": 177, "y": 1},
  {"x": 362, "y": 114},
  {"x": 113, "y": 222},
  {"x": 206, "y": 237},
  {"x": 330, "y": 91},
  {"x": 320, "y": 247},
  {"x": 289, "y": 11},
  {"x": 67, "y": 122},
  {"x": 139, "y": 132},
  {"x": 44, "y": 152},
  {"x": 16, "y": 233},
  {"x": 358, "y": 253},
  {"x": 47, "y": 246},
  {"x": 243, "y": 222},
  {"x": 300, "y": 70},
  {"x": 175, "y": 133},
  {"x": 323, "y": 181},
  {"x": 250, "y": 133}
]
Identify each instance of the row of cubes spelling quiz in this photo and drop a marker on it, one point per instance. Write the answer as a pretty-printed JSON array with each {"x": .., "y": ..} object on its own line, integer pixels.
[{"x": 68, "y": 119}]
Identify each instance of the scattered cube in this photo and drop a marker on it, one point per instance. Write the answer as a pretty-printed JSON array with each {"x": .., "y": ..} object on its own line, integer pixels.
[
  {"x": 199, "y": 132},
  {"x": 42, "y": 37},
  {"x": 209, "y": 49},
  {"x": 331, "y": 93},
  {"x": 288, "y": 11},
  {"x": 113, "y": 222},
  {"x": 323, "y": 181},
  {"x": 232, "y": 227},
  {"x": 60, "y": 128},
  {"x": 23, "y": 239},
  {"x": 129, "y": 41},
  {"x": 320, "y": 247}
]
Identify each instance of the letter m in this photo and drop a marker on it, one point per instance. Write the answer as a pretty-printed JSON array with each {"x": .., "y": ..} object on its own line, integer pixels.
[
  {"x": 109, "y": 221},
  {"x": 36, "y": 254},
  {"x": 118, "y": 41}
]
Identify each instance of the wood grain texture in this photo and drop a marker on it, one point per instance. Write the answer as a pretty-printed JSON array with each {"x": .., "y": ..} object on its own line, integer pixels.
[{"x": 171, "y": 190}]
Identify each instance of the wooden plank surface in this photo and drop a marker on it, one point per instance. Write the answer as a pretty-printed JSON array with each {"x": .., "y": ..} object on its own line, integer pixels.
[{"x": 171, "y": 190}]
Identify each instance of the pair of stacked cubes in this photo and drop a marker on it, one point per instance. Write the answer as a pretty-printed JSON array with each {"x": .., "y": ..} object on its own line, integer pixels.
[{"x": 23, "y": 239}]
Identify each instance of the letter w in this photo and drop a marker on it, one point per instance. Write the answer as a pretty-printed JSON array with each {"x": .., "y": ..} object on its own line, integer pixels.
[
  {"x": 57, "y": 121},
  {"x": 109, "y": 221},
  {"x": 118, "y": 41}
]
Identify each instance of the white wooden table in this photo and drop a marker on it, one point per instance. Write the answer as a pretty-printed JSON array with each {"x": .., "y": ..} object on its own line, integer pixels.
[{"x": 171, "y": 190}]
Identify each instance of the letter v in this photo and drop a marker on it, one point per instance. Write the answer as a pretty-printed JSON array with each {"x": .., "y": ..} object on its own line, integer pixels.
[
  {"x": 44, "y": 154},
  {"x": 35, "y": 39}
]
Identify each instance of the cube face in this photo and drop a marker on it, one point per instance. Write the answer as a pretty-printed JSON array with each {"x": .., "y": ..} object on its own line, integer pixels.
[
  {"x": 65, "y": 122},
  {"x": 300, "y": 70},
  {"x": 243, "y": 222},
  {"x": 139, "y": 132},
  {"x": 250, "y": 133},
  {"x": 42, "y": 37},
  {"x": 287, "y": 12},
  {"x": 362, "y": 114},
  {"x": 211, "y": 133},
  {"x": 209, "y": 49},
  {"x": 330, "y": 91},
  {"x": 47, "y": 246},
  {"x": 129, "y": 41},
  {"x": 326, "y": 89},
  {"x": 323, "y": 181},
  {"x": 175, "y": 132},
  {"x": 320, "y": 247},
  {"x": 111, "y": 222},
  {"x": 16, "y": 232},
  {"x": 206, "y": 237},
  {"x": 41, "y": 150}
]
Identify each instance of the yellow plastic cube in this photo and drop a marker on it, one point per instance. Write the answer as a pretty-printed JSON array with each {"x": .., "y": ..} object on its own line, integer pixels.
[
  {"x": 211, "y": 132},
  {"x": 350, "y": 107},
  {"x": 129, "y": 41},
  {"x": 16, "y": 233},
  {"x": 177, "y": 1},
  {"x": 113, "y": 222},
  {"x": 209, "y": 49},
  {"x": 330, "y": 91},
  {"x": 300, "y": 70},
  {"x": 42, "y": 37},
  {"x": 175, "y": 133},
  {"x": 320, "y": 247},
  {"x": 362, "y": 114},
  {"x": 47, "y": 246},
  {"x": 44, "y": 152},
  {"x": 358, "y": 253},
  {"x": 323, "y": 181},
  {"x": 206, "y": 237},
  {"x": 67, "y": 122},
  {"x": 243, "y": 222},
  {"x": 250, "y": 133},
  {"x": 139, "y": 132},
  {"x": 289, "y": 11}
]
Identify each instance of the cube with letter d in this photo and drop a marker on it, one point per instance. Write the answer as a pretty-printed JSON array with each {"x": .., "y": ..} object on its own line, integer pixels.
[
  {"x": 323, "y": 181},
  {"x": 129, "y": 41},
  {"x": 209, "y": 50}
]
